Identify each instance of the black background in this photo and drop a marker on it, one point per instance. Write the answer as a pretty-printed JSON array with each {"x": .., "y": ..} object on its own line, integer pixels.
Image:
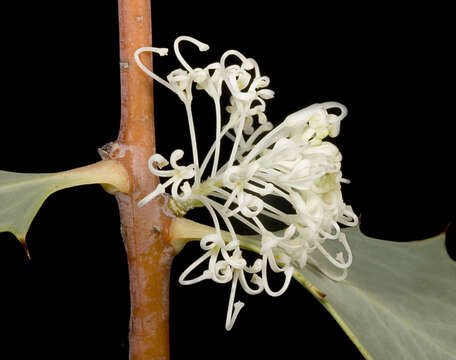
[{"x": 61, "y": 101}]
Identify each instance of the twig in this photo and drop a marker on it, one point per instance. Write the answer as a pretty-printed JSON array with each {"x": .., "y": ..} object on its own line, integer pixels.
[{"x": 144, "y": 230}]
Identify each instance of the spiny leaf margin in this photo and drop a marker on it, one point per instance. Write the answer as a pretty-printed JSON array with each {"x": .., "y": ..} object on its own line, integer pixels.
[{"x": 22, "y": 194}]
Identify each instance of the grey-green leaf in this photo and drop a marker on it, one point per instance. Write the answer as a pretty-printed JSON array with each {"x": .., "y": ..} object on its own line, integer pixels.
[
  {"x": 398, "y": 301},
  {"x": 21, "y": 195}
]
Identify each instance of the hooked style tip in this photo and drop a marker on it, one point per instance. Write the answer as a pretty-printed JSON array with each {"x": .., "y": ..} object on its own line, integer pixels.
[{"x": 203, "y": 47}]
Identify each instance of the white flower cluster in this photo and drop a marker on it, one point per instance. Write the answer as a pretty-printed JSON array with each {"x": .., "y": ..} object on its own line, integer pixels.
[{"x": 291, "y": 161}]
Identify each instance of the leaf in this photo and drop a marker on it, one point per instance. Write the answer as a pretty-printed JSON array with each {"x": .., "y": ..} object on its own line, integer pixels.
[
  {"x": 398, "y": 301},
  {"x": 21, "y": 195}
]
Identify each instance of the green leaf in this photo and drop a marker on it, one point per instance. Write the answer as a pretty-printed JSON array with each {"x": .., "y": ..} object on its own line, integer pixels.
[
  {"x": 398, "y": 301},
  {"x": 21, "y": 195}
]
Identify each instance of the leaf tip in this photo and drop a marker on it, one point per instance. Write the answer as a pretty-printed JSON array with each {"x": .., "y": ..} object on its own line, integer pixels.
[
  {"x": 447, "y": 228},
  {"x": 26, "y": 249}
]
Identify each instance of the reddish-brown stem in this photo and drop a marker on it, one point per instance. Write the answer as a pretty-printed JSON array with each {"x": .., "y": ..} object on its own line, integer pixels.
[{"x": 144, "y": 230}]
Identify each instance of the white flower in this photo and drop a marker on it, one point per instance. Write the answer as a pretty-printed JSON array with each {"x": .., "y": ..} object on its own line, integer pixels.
[{"x": 291, "y": 161}]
